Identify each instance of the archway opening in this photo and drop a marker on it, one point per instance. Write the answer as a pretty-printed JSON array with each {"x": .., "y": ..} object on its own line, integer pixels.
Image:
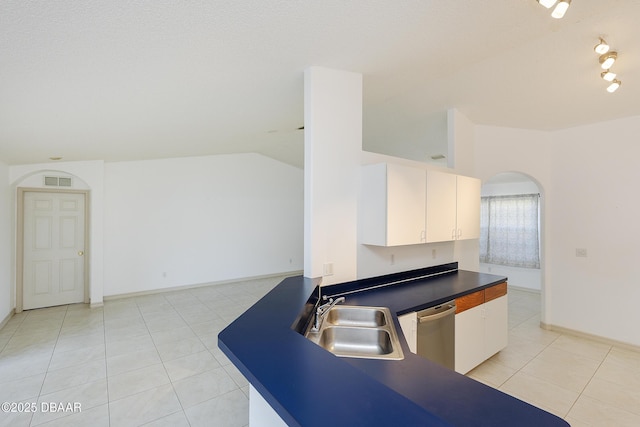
[{"x": 511, "y": 242}]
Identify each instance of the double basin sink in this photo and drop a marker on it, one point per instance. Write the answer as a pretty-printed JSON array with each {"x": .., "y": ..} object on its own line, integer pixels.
[{"x": 357, "y": 331}]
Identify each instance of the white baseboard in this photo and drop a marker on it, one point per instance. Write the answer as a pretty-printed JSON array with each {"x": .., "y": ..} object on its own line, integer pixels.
[
  {"x": 597, "y": 338},
  {"x": 7, "y": 318},
  {"x": 199, "y": 285},
  {"x": 520, "y": 288}
]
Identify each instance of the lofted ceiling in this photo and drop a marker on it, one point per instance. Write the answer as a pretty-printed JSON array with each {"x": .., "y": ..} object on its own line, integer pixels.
[{"x": 141, "y": 79}]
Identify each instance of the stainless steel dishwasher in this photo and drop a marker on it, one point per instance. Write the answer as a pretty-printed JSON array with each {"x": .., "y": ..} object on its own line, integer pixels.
[{"x": 436, "y": 334}]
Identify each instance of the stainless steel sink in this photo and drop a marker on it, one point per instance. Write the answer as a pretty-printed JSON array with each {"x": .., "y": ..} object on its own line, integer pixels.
[
  {"x": 361, "y": 332},
  {"x": 343, "y": 315}
]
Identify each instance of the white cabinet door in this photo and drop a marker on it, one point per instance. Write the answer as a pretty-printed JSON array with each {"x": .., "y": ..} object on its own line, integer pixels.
[
  {"x": 481, "y": 332},
  {"x": 453, "y": 207},
  {"x": 496, "y": 323},
  {"x": 403, "y": 205},
  {"x": 409, "y": 325},
  {"x": 393, "y": 205},
  {"x": 470, "y": 331},
  {"x": 468, "y": 208},
  {"x": 441, "y": 207}
]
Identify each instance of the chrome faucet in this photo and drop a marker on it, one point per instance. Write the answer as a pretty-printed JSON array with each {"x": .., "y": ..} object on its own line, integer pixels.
[{"x": 322, "y": 310}]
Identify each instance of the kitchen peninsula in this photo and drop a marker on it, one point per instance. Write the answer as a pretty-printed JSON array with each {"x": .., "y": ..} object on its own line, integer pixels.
[{"x": 307, "y": 385}]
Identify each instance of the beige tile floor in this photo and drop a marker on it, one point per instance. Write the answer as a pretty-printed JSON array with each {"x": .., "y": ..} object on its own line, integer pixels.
[
  {"x": 153, "y": 360},
  {"x": 149, "y": 360},
  {"x": 585, "y": 382}
]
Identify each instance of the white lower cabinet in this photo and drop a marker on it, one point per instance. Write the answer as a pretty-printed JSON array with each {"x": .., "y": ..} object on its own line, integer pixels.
[{"x": 481, "y": 332}]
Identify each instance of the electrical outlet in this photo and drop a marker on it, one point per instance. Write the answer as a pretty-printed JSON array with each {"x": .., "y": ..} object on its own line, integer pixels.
[
  {"x": 327, "y": 269},
  {"x": 393, "y": 259},
  {"x": 433, "y": 253},
  {"x": 581, "y": 252}
]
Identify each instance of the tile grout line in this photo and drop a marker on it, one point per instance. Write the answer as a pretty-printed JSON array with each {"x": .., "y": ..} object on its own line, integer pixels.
[
  {"x": 167, "y": 372},
  {"x": 106, "y": 366},
  {"x": 534, "y": 357},
  {"x": 580, "y": 393},
  {"x": 50, "y": 359},
  {"x": 589, "y": 382},
  {"x": 164, "y": 367}
]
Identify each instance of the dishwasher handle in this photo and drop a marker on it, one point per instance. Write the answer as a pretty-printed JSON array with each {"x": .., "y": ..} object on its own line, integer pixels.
[{"x": 436, "y": 316}]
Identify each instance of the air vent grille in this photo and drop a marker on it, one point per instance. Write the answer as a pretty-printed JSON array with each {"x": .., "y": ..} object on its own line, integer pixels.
[
  {"x": 57, "y": 181},
  {"x": 64, "y": 182},
  {"x": 51, "y": 181}
]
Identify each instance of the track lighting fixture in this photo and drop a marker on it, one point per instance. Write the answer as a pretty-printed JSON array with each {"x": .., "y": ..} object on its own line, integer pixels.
[
  {"x": 560, "y": 9},
  {"x": 607, "y": 60},
  {"x": 602, "y": 47}
]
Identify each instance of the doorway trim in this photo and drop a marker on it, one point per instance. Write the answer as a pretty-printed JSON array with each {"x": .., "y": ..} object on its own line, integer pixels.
[{"x": 20, "y": 240}]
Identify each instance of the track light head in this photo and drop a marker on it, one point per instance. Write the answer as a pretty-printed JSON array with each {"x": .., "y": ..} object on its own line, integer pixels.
[
  {"x": 561, "y": 9},
  {"x": 602, "y": 47},
  {"x": 547, "y": 3},
  {"x": 608, "y": 75},
  {"x": 607, "y": 60},
  {"x": 615, "y": 84}
]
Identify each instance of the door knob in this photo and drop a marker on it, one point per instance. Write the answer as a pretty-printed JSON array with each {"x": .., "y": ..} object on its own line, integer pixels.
[{"x": 80, "y": 253}]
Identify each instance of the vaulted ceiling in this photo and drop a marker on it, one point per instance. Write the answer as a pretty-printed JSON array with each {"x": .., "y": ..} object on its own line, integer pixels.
[{"x": 142, "y": 79}]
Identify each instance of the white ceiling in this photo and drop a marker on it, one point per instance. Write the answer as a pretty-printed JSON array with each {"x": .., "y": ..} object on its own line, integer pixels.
[{"x": 140, "y": 79}]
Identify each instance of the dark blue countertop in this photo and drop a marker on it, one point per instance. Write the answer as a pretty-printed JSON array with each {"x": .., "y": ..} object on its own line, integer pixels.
[{"x": 307, "y": 385}]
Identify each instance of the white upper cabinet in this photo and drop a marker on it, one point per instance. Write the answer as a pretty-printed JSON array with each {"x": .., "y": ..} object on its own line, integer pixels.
[
  {"x": 453, "y": 207},
  {"x": 393, "y": 205},
  {"x": 403, "y": 205}
]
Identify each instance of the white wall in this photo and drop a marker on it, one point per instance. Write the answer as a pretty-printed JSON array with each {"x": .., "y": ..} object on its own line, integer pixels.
[
  {"x": 595, "y": 181},
  {"x": 7, "y": 297},
  {"x": 200, "y": 220},
  {"x": 588, "y": 177},
  {"x": 509, "y": 188},
  {"x": 527, "y": 278}
]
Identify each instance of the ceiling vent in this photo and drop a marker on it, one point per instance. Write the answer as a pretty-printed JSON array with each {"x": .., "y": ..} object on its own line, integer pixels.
[{"x": 57, "y": 181}]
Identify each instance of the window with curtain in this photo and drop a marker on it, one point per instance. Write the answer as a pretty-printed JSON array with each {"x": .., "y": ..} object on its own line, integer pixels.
[{"x": 509, "y": 230}]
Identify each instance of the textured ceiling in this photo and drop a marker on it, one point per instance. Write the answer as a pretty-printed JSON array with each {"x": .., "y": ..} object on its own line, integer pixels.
[{"x": 133, "y": 79}]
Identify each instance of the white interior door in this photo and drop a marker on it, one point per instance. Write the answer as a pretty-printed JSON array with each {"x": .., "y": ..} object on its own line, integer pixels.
[{"x": 53, "y": 261}]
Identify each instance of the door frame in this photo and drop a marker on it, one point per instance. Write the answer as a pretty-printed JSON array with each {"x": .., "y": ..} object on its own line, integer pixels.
[{"x": 20, "y": 240}]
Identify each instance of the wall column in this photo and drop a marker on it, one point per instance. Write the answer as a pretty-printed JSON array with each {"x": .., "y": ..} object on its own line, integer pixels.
[{"x": 333, "y": 146}]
